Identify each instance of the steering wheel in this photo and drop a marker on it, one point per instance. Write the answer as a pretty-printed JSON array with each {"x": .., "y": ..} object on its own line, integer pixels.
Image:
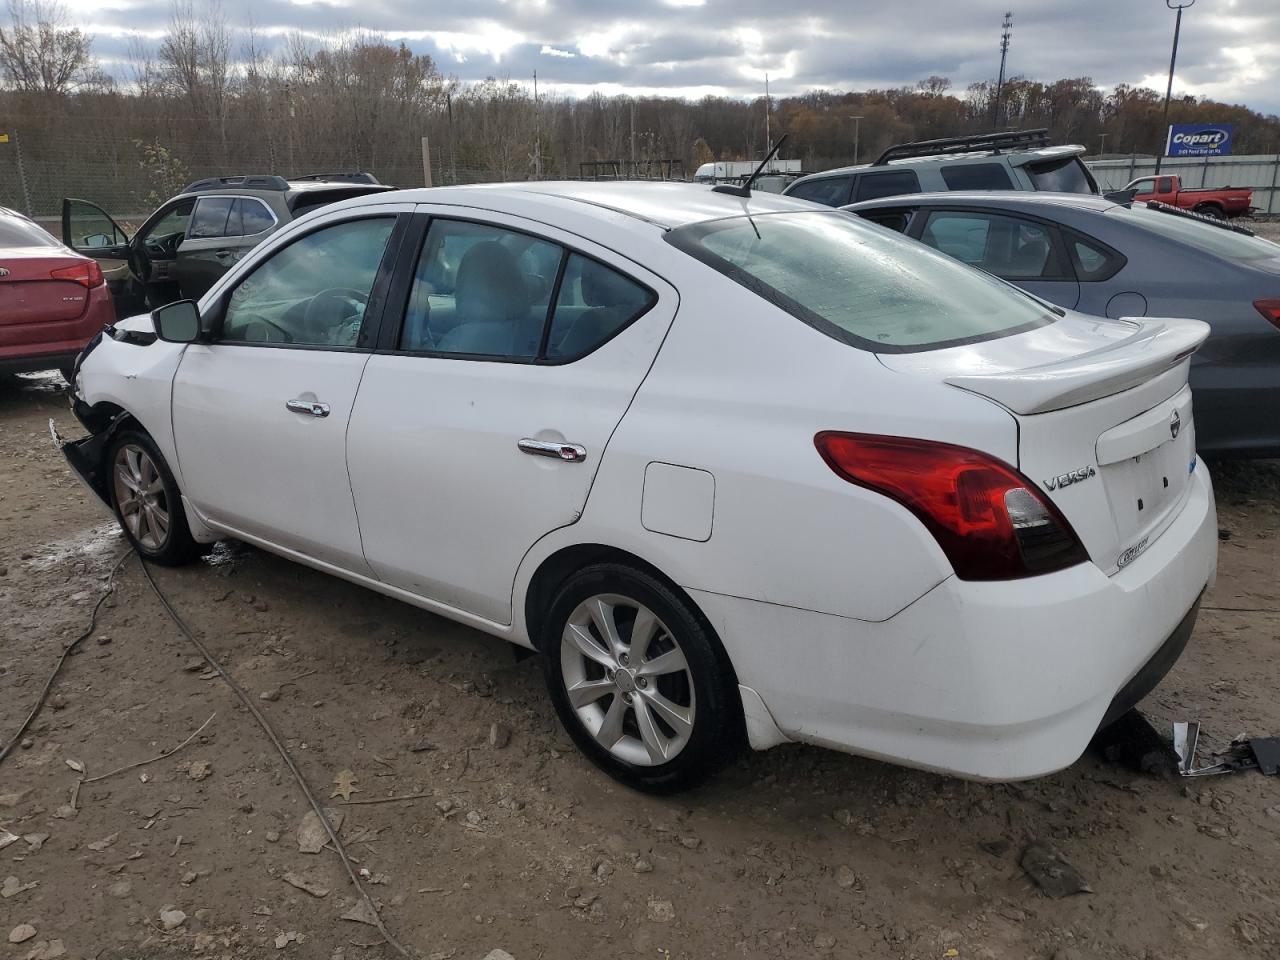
[{"x": 333, "y": 307}]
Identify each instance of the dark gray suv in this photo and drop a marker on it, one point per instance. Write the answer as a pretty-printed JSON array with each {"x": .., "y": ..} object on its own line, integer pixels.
[{"x": 194, "y": 238}]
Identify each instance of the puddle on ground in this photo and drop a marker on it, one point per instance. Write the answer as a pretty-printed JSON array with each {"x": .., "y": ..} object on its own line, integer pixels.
[
  {"x": 44, "y": 383},
  {"x": 98, "y": 543},
  {"x": 227, "y": 553}
]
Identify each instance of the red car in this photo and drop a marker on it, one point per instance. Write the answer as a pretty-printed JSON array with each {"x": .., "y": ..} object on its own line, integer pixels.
[{"x": 52, "y": 299}]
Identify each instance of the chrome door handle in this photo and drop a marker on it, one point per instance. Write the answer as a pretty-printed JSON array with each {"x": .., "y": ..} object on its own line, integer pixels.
[
  {"x": 568, "y": 452},
  {"x": 307, "y": 406}
]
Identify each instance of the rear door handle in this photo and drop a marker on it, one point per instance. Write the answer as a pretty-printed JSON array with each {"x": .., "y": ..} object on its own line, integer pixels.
[
  {"x": 223, "y": 254},
  {"x": 568, "y": 452},
  {"x": 307, "y": 406}
]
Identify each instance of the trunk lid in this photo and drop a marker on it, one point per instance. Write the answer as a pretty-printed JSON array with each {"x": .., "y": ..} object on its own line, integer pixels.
[
  {"x": 1104, "y": 419},
  {"x": 29, "y": 295}
]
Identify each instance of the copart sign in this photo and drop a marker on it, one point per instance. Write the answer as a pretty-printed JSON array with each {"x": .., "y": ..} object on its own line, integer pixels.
[{"x": 1199, "y": 140}]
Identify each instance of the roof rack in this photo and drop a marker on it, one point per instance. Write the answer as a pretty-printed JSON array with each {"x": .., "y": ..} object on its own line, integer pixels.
[
  {"x": 1162, "y": 207},
  {"x": 999, "y": 140},
  {"x": 255, "y": 182},
  {"x": 356, "y": 176}
]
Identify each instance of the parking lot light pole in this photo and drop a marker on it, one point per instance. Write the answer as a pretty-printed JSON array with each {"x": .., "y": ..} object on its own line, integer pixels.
[{"x": 1173, "y": 59}]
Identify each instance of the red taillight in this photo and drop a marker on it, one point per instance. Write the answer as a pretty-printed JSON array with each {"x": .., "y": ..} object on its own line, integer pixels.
[
  {"x": 87, "y": 274},
  {"x": 1269, "y": 309},
  {"x": 990, "y": 520}
]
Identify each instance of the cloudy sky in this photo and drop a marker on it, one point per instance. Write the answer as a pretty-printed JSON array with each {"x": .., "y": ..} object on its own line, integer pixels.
[{"x": 1230, "y": 49}]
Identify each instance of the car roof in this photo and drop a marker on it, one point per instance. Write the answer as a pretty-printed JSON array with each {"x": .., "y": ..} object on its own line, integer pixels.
[
  {"x": 1007, "y": 199},
  {"x": 1046, "y": 153},
  {"x": 665, "y": 204}
]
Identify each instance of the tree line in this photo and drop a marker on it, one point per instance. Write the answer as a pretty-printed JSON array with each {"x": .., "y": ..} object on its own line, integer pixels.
[{"x": 200, "y": 103}]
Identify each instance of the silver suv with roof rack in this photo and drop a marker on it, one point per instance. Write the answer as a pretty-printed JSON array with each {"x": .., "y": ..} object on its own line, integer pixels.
[
  {"x": 1009, "y": 160},
  {"x": 190, "y": 241}
]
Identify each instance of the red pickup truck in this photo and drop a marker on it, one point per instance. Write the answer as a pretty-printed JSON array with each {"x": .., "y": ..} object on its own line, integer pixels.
[{"x": 1217, "y": 202}]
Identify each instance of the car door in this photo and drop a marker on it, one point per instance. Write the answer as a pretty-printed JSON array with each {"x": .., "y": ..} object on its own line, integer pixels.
[
  {"x": 1026, "y": 252},
  {"x": 260, "y": 411},
  {"x": 153, "y": 251},
  {"x": 89, "y": 230},
  {"x": 482, "y": 420},
  {"x": 222, "y": 230}
]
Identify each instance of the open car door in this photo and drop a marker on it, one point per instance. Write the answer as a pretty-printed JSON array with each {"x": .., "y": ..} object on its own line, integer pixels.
[{"x": 90, "y": 230}]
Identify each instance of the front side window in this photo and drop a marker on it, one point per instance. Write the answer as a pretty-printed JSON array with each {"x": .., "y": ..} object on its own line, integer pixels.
[
  {"x": 1067, "y": 175},
  {"x": 866, "y": 287},
  {"x": 1009, "y": 247},
  {"x": 210, "y": 218},
  {"x": 977, "y": 176},
  {"x": 169, "y": 230},
  {"x": 874, "y": 185},
  {"x": 831, "y": 191},
  {"x": 313, "y": 292}
]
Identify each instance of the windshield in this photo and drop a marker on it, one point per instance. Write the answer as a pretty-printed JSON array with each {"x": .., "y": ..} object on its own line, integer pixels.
[
  {"x": 1205, "y": 237},
  {"x": 22, "y": 233},
  {"x": 859, "y": 283},
  {"x": 1067, "y": 175}
]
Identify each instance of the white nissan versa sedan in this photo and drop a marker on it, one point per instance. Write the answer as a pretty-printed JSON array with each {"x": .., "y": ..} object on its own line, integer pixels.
[{"x": 738, "y": 467}]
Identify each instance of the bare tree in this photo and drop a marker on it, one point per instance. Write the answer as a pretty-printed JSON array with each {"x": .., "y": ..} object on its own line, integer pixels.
[{"x": 40, "y": 53}]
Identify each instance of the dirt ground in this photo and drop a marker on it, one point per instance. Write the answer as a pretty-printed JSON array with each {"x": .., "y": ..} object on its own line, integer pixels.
[{"x": 796, "y": 853}]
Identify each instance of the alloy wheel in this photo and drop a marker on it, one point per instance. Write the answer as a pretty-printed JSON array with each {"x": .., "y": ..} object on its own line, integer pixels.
[
  {"x": 627, "y": 679},
  {"x": 141, "y": 497}
]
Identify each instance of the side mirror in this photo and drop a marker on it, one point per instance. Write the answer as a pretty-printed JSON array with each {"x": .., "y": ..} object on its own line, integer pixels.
[{"x": 177, "y": 322}]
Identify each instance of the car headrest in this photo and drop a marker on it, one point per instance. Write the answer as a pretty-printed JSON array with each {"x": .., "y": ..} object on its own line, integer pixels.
[{"x": 490, "y": 287}]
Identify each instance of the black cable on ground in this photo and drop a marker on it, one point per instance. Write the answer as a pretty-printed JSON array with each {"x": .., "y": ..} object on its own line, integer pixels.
[
  {"x": 285, "y": 755},
  {"x": 93, "y": 625}
]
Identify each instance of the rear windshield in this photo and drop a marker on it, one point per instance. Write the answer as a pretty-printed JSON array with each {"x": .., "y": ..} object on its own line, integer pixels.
[
  {"x": 861, "y": 284},
  {"x": 21, "y": 233},
  {"x": 1067, "y": 175},
  {"x": 305, "y": 202},
  {"x": 1205, "y": 237}
]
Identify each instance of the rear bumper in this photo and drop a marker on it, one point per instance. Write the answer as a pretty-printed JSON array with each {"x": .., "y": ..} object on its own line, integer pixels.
[
  {"x": 997, "y": 681},
  {"x": 29, "y": 363}
]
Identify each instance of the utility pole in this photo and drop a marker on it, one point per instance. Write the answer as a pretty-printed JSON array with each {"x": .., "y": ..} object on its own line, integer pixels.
[
  {"x": 856, "y": 125},
  {"x": 537, "y": 131},
  {"x": 1006, "y": 31},
  {"x": 1173, "y": 59},
  {"x": 768, "y": 142},
  {"x": 633, "y": 133},
  {"x": 426, "y": 163},
  {"x": 22, "y": 173}
]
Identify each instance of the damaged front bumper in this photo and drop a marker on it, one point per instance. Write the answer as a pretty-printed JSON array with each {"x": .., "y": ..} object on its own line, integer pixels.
[{"x": 86, "y": 459}]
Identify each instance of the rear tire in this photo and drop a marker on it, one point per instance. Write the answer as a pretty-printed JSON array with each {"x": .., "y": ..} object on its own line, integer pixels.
[
  {"x": 147, "y": 502},
  {"x": 639, "y": 681}
]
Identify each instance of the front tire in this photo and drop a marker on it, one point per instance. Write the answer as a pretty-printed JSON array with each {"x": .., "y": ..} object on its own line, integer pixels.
[
  {"x": 1209, "y": 210},
  {"x": 147, "y": 502},
  {"x": 638, "y": 679}
]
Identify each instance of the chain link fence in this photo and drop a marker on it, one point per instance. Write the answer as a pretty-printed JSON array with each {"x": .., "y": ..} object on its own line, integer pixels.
[{"x": 130, "y": 178}]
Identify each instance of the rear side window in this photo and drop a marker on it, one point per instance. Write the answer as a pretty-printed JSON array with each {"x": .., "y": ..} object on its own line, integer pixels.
[
  {"x": 485, "y": 291},
  {"x": 863, "y": 286},
  {"x": 977, "y": 176},
  {"x": 1009, "y": 247},
  {"x": 595, "y": 302},
  {"x": 210, "y": 218},
  {"x": 1066, "y": 175},
  {"x": 833, "y": 191},
  {"x": 874, "y": 185},
  {"x": 1092, "y": 261},
  {"x": 254, "y": 216}
]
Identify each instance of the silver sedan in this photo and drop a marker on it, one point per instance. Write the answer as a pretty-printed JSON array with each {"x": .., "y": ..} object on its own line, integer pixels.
[{"x": 1086, "y": 253}]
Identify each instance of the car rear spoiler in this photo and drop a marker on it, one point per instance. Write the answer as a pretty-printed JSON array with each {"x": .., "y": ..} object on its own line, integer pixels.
[{"x": 1157, "y": 345}]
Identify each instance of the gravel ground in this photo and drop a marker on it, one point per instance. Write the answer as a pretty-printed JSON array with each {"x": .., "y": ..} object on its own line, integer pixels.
[{"x": 524, "y": 847}]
